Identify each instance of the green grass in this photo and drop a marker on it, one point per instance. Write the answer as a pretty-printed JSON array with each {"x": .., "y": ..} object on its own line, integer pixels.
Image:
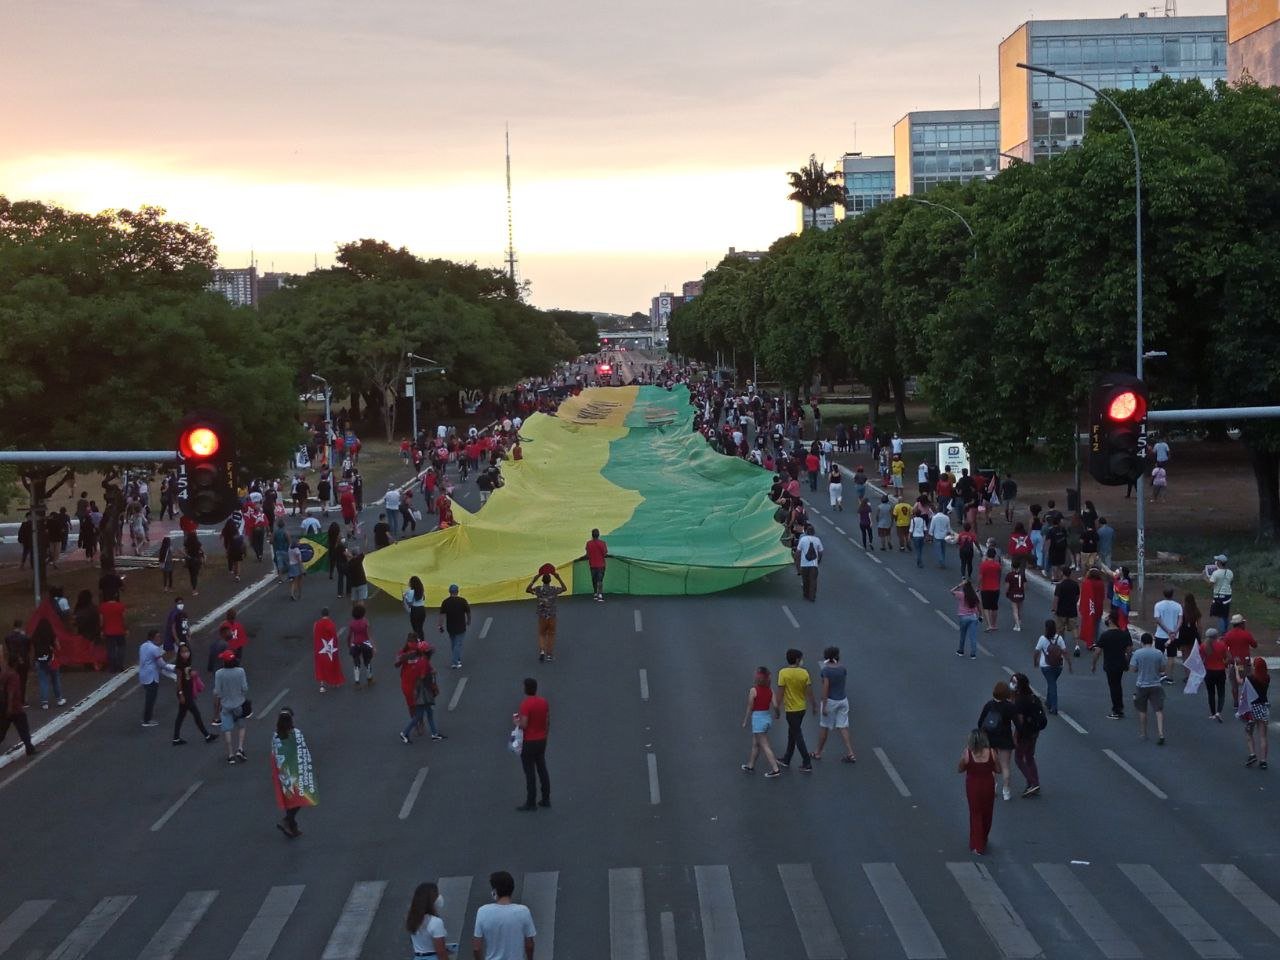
[
  {"x": 920, "y": 424},
  {"x": 1256, "y": 588}
]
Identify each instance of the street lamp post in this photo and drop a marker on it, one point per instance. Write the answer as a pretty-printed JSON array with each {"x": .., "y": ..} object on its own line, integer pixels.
[
  {"x": 1140, "y": 486},
  {"x": 411, "y": 385},
  {"x": 328, "y": 436},
  {"x": 955, "y": 213}
]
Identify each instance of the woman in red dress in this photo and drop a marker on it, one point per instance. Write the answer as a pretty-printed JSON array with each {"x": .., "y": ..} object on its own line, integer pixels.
[{"x": 980, "y": 767}]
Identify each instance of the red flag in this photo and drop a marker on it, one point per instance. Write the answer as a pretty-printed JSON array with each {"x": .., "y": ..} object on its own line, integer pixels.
[{"x": 328, "y": 662}]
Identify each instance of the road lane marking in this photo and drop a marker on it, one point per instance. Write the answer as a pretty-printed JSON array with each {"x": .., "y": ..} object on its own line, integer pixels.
[
  {"x": 349, "y": 933},
  {"x": 874, "y": 558},
  {"x": 900, "y": 905},
  {"x": 1183, "y": 917},
  {"x": 411, "y": 798},
  {"x": 827, "y": 520},
  {"x": 177, "y": 805},
  {"x": 667, "y": 923},
  {"x": 644, "y": 684},
  {"x": 1088, "y": 912},
  {"x": 92, "y": 928},
  {"x": 894, "y": 573},
  {"x": 484, "y": 630},
  {"x": 1125, "y": 766},
  {"x": 995, "y": 912},
  {"x": 457, "y": 692},
  {"x": 791, "y": 616},
  {"x": 984, "y": 651},
  {"x": 954, "y": 625},
  {"x": 639, "y": 621},
  {"x": 917, "y": 594},
  {"x": 628, "y": 932},
  {"x": 721, "y": 930},
  {"x": 813, "y": 917},
  {"x": 539, "y": 895},
  {"x": 264, "y": 930},
  {"x": 655, "y": 795},
  {"x": 891, "y": 771},
  {"x": 21, "y": 920},
  {"x": 269, "y": 709},
  {"x": 1250, "y": 895},
  {"x": 181, "y": 922},
  {"x": 1070, "y": 722},
  {"x": 455, "y": 891},
  {"x": 841, "y": 532}
]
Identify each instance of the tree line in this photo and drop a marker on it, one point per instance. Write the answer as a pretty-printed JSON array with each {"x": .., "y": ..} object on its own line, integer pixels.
[{"x": 1005, "y": 331}]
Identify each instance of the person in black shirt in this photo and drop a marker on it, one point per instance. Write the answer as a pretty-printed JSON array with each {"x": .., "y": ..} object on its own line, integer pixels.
[
  {"x": 454, "y": 619},
  {"x": 1056, "y": 548},
  {"x": 1009, "y": 494},
  {"x": 996, "y": 721},
  {"x": 381, "y": 533},
  {"x": 1066, "y": 606},
  {"x": 1113, "y": 646}
]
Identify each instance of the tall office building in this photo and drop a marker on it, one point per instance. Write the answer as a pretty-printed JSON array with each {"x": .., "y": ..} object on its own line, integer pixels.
[
  {"x": 1253, "y": 41},
  {"x": 825, "y": 218},
  {"x": 944, "y": 146},
  {"x": 868, "y": 182},
  {"x": 1042, "y": 116},
  {"x": 239, "y": 285}
]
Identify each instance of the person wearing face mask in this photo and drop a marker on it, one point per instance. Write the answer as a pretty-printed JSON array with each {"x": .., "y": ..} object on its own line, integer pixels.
[
  {"x": 177, "y": 628},
  {"x": 504, "y": 929},
  {"x": 427, "y": 934}
]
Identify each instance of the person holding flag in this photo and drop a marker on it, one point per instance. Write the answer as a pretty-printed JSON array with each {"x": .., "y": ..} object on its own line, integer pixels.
[
  {"x": 1255, "y": 710},
  {"x": 292, "y": 773},
  {"x": 328, "y": 664},
  {"x": 1122, "y": 590},
  {"x": 1093, "y": 597}
]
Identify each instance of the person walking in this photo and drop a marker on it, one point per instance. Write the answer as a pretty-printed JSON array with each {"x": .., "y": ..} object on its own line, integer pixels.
[
  {"x": 1049, "y": 655},
  {"x": 996, "y": 722},
  {"x": 391, "y": 503},
  {"x": 111, "y": 626},
  {"x": 420, "y": 686},
  {"x": 1258, "y": 715},
  {"x": 13, "y": 712},
  {"x": 967, "y": 603},
  {"x": 295, "y": 569},
  {"x": 504, "y": 929},
  {"x": 989, "y": 574},
  {"x": 280, "y": 550},
  {"x": 919, "y": 529},
  {"x": 794, "y": 693},
  {"x": 597, "y": 552},
  {"x": 1149, "y": 664},
  {"x": 292, "y": 773},
  {"x": 1240, "y": 646},
  {"x": 360, "y": 644},
  {"x": 940, "y": 532},
  {"x": 966, "y": 547},
  {"x": 415, "y": 604},
  {"x": 1113, "y": 647},
  {"x": 164, "y": 560},
  {"x": 231, "y": 691},
  {"x": 189, "y": 687},
  {"x": 809, "y": 551},
  {"x": 533, "y": 717},
  {"x": 760, "y": 713},
  {"x": 834, "y": 710},
  {"x": 980, "y": 766},
  {"x": 902, "y": 522},
  {"x": 864, "y": 524},
  {"x": 835, "y": 487},
  {"x": 357, "y": 579},
  {"x": 884, "y": 522},
  {"x": 1220, "y": 577},
  {"x": 1015, "y": 590},
  {"x": 545, "y": 593},
  {"x": 1028, "y": 720},
  {"x": 1215, "y": 656},
  {"x": 1168, "y": 621},
  {"x": 151, "y": 664},
  {"x": 327, "y": 661},
  {"x": 455, "y": 620},
  {"x": 1066, "y": 606},
  {"x": 427, "y": 934}
]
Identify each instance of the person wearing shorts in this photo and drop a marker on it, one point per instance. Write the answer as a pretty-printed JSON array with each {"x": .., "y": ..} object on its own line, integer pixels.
[
  {"x": 834, "y": 712},
  {"x": 360, "y": 643},
  {"x": 1066, "y": 606},
  {"x": 231, "y": 693},
  {"x": 1150, "y": 666}
]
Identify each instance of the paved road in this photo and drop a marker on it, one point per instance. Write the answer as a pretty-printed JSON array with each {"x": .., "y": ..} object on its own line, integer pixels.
[{"x": 657, "y": 846}]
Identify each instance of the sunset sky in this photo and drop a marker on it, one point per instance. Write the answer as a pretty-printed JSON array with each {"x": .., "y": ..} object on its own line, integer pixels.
[{"x": 647, "y": 138}]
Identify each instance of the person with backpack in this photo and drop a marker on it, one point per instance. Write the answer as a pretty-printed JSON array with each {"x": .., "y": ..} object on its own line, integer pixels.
[
  {"x": 996, "y": 723},
  {"x": 1049, "y": 655},
  {"x": 809, "y": 550},
  {"x": 1029, "y": 719}
]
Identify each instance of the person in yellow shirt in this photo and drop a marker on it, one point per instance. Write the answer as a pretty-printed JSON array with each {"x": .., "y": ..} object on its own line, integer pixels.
[
  {"x": 795, "y": 690},
  {"x": 902, "y": 520},
  {"x": 896, "y": 469}
]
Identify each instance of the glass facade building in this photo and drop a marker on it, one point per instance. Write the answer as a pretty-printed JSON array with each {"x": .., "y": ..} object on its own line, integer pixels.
[
  {"x": 944, "y": 146},
  {"x": 868, "y": 182},
  {"x": 1043, "y": 116}
]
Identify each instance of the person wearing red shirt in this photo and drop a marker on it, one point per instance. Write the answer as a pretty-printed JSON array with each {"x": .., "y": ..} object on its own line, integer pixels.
[
  {"x": 989, "y": 571},
  {"x": 328, "y": 662},
  {"x": 237, "y": 635},
  {"x": 111, "y": 617},
  {"x": 1214, "y": 655},
  {"x": 1020, "y": 543},
  {"x": 534, "y": 718},
  {"x": 1239, "y": 642},
  {"x": 811, "y": 465},
  {"x": 597, "y": 550}
]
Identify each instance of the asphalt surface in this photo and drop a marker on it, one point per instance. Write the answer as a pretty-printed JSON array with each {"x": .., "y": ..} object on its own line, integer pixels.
[{"x": 657, "y": 845}]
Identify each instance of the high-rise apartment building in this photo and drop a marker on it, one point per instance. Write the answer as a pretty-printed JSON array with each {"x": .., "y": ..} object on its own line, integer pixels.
[
  {"x": 824, "y": 218},
  {"x": 868, "y": 182},
  {"x": 239, "y": 285},
  {"x": 1253, "y": 41},
  {"x": 1042, "y": 116},
  {"x": 271, "y": 282},
  {"x": 944, "y": 146}
]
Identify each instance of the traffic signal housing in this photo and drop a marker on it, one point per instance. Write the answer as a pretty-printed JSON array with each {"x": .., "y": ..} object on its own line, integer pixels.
[
  {"x": 206, "y": 469},
  {"x": 1118, "y": 429}
]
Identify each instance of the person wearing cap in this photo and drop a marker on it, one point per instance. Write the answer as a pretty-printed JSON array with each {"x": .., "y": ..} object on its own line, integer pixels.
[
  {"x": 1220, "y": 577},
  {"x": 231, "y": 692},
  {"x": 454, "y": 619},
  {"x": 1239, "y": 643}
]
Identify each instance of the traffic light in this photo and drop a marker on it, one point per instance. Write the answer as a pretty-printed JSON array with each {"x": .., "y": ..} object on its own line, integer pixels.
[
  {"x": 206, "y": 469},
  {"x": 1118, "y": 429}
]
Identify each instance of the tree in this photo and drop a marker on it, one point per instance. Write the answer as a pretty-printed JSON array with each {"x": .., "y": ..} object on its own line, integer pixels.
[
  {"x": 814, "y": 188},
  {"x": 578, "y": 327}
]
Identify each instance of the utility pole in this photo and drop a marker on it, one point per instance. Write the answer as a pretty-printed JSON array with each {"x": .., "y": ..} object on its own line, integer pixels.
[{"x": 511, "y": 241}]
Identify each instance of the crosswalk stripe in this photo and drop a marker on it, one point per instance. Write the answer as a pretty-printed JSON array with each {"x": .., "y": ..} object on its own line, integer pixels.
[
  {"x": 667, "y": 924},
  {"x": 1183, "y": 917},
  {"x": 539, "y": 895},
  {"x": 914, "y": 931},
  {"x": 22, "y": 919},
  {"x": 813, "y": 918},
  {"x": 628, "y": 933},
  {"x": 1088, "y": 912},
  {"x": 265, "y": 928},
  {"x": 456, "y": 892},
  {"x": 92, "y": 928},
  {"x": 995, "y": 912},
  {"x": 721, "y": 931},
  {"x": 1248, "y": 893},
  {"x": 355, "y": 920},
  {"x": 174, "y": 931}
]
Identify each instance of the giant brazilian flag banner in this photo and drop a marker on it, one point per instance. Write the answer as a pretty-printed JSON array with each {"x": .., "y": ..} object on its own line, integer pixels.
[{"x": 679, "y": 517}]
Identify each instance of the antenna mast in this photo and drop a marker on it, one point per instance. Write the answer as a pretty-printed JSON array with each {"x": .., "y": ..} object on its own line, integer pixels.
[{"x": 511, "y": 243}]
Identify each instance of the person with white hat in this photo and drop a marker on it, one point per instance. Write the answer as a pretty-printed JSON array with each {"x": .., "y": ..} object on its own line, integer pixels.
[{"x": 1220, "y": 577}]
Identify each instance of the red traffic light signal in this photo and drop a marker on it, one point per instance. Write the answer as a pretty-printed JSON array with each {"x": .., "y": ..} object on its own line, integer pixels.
[
  {"x": 1118, "y": 429},
  {"x": 199, "y": 442},
  {"x": 206, "y": 469},
  {"x": 1127, "y": 405}
]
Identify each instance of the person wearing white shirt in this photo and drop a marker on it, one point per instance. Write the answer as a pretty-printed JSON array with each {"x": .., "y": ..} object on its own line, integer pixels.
[
  {"x": 918, "y": 530},
  {"x": 939, "y": 530},
  {"x": 392, "y": 502},
  {"x": 809, "y": 549},
  {"x": 504, "y": 930},
  {"x": 1168, "y": 617},
  {"x": 310, "y": 526},
  {"x": 426, "y": 930},
  {"x": 896, "y": 444}
]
